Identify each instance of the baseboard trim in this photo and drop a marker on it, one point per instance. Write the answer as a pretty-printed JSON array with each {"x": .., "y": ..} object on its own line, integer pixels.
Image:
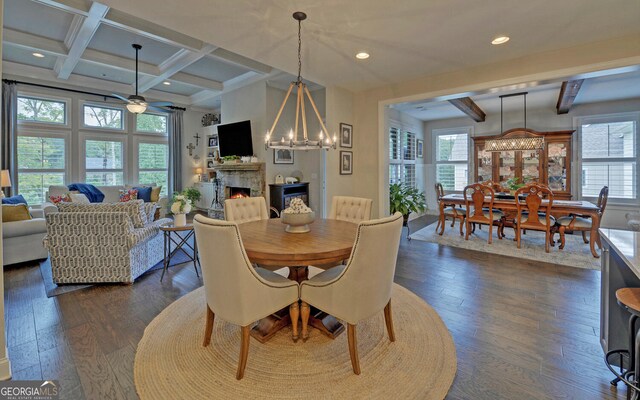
[{"x": 5, "y": 366}]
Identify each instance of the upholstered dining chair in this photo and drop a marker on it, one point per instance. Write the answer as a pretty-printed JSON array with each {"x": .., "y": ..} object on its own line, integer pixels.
[
  {"x": 350, "y": 209},
  {"x": 236, "y": 291},
  {"x": 449, "y": 210},
  {"x": 475, "y": 199},
  {"x": 574, "y": 222},
  {"x": 532, "y": 214},
  {"x": 245, "y": 209},
  {"x": 361, "y": 288}
]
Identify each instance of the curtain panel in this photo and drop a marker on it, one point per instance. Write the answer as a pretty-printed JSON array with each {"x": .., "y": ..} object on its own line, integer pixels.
[
  {"x": 175, "y": 151},
  {"x": 8, "y": 135}
]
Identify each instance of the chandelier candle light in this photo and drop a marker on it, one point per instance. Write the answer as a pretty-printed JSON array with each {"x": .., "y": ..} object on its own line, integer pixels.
[
  {"x": 527, "y": 142},
  {"x": 292, "y": 142}
]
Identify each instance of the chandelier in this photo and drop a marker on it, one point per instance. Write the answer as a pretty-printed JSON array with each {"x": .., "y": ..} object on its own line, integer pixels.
[
  {"x": 292, "y": 141},
  {"x": 529, "y": 141}
]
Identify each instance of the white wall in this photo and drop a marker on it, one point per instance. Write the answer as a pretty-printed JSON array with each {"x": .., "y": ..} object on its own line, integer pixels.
[
  {"x": 192, "y": 125},
  {"x": 544, "y": 120}
]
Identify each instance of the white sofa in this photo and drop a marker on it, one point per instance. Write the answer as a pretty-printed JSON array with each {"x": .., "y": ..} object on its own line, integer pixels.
[{"x": 22, "y": 240}]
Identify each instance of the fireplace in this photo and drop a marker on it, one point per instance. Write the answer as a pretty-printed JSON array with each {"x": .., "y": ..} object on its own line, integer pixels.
[{"x": 234, "y": 192}]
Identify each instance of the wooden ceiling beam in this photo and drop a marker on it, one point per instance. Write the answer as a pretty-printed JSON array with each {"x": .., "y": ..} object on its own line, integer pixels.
[
  {"x": 568, "y": 92},
  {"x": 469, "y": 107}
]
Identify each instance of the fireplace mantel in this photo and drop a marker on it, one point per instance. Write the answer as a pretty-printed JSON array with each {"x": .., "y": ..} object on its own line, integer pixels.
[
  {"x": 244, "y": 175},
  {"x": 239, "y": 167}
]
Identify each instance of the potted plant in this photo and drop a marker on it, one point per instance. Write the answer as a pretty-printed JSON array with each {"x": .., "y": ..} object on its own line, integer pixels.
[
  {"x": 406, "y": 199},
  {"x": 513, "y": 185},
  {"x": 192, "y": 194},
  {"x": 180, "y": 207}
]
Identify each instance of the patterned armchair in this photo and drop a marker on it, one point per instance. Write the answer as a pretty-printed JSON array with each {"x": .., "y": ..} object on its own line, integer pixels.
[{"x": 99, "y": 243}]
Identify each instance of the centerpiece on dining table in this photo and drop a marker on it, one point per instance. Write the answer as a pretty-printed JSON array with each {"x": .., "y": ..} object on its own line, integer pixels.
[{"x": 297, "y": 217}]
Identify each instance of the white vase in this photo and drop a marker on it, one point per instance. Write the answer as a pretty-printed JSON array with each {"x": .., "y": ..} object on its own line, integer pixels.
[{"x": 179, "y": 219}]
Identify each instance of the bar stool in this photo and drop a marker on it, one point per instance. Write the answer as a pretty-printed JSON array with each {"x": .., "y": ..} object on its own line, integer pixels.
[{"x": 629, "y": 298}]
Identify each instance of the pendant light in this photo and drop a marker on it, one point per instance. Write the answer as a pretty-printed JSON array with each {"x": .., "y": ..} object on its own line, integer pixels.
[
  {"x": 292, "y": 141},
  {"x": 137, "y": 104},
  {"x": 528, "y": 141}
]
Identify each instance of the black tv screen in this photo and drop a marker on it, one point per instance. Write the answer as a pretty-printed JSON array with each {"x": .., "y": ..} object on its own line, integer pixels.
[{"x": 235, "y": 139}]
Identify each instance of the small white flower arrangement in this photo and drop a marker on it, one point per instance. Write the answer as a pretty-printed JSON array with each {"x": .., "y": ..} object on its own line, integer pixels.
[
  {"x": 180, "y": 204},
  {"x": 297, "y": 206}
]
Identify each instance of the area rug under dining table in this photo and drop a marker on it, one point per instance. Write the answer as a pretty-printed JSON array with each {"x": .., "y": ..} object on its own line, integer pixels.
[
  {"x": 575, "y": 253},
  {"x": 172, "y": 363}
]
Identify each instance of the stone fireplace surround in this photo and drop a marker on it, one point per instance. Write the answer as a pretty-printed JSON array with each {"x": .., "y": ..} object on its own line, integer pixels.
[{"x": 238, "y": 175}]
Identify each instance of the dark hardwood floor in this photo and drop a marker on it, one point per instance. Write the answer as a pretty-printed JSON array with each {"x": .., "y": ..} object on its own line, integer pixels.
[{"x": 523, "y": 330}]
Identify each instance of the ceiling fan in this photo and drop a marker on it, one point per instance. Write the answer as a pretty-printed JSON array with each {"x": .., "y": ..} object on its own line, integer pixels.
[{"x": 138, "y": 104}]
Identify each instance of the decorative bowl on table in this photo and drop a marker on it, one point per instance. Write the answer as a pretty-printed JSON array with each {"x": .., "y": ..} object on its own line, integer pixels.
[{"x": 297, "y": 217}]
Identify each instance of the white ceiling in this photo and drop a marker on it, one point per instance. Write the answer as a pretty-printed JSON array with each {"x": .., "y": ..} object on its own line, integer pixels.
[
  {"x": 100, "y": 56},
  {"x": 406, "y": 39},
  {"x": 604, "y": 88}
]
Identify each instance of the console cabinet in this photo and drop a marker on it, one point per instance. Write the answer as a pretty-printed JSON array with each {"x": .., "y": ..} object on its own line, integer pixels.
[
  {"x": 551, "y": 165},
  {"x": 280, "y": 195}
]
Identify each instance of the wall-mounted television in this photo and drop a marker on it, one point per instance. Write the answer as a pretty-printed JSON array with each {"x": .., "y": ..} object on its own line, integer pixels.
[{"x": 235, "y": 139}]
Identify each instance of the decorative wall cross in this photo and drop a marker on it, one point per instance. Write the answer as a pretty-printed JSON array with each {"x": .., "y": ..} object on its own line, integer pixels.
[
  {"x": 191, "y": 147},
  {"x": 197, "y": 137}
]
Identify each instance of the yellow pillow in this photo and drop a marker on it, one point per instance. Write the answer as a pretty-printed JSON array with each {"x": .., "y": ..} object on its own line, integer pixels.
[
  {"x": 15, "y": 212},
  {"x": 155, "y": 193}
]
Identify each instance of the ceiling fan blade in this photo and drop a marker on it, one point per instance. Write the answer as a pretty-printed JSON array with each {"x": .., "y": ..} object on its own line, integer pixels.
[
  {"x": 120, "y": 97},
  {"x": 161, "y": 103},
  {"x": 158, "y": 109}
]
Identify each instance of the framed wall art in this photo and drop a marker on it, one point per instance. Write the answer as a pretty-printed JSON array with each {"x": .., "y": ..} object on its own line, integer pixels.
[
  {"x": 346, "y": 162},
  {"x": 282, "y": 156},
  {"x": 346, "y": 135}
]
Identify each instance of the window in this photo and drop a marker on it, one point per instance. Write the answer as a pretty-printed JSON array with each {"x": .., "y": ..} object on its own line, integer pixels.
[
  {"x": 402, "y": 157},
  {"x": 104, "y": 164},
  {"x": 102, "y": 117},
  {"x": 41, "y": 163},
  {"x": 609, "y": 155},
  {"x": 452, "y": 157},
  {"x": 33, "y": 109},
  {"x": 151, "y": 123},
  {"x": 153, "y": 164}
]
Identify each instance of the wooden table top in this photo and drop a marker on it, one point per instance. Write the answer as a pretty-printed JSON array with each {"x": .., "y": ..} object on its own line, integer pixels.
[
  {"x": 267, "y": 243},
  {"x": 573, "y": 205},
  {"x": 172, "y": 227}
]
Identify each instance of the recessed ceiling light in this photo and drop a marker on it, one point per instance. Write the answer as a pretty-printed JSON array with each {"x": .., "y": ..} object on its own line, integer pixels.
[
  {"x": 39, "y": 55},
  {"x": 500, "y": 39},
  {"x": 166, "y": 83},
  {"x": 362, "y": 55}
]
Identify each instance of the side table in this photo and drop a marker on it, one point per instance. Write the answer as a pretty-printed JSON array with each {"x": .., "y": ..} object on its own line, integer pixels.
[{"x": 169, "y": 231}]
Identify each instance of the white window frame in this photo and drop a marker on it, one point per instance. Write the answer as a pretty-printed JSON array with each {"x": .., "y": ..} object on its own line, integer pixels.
[
  {"x": 81, "y": 125},
  {"x": 82, "y": 153},
  {"x": 152, "y": 139},
  {"x": 66, "y": 135},
  {"x": 436, "y": 133},
  {"x": 402, "y": 162},
  {"x": 150, "y": 133},
  {"x": 43, "y": 124},
  {"x": 608, "y": 118}
]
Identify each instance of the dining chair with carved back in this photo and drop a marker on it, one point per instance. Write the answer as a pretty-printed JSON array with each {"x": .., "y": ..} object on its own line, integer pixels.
[
  {"x": 234, "y": 289},
  {"x": 575, "y": 222},
  {"x": 475, "y": 199},
  {"x": 350, "y": 209},
  {"x": 533, "y": 208},
  {"x": 449, "y": 210},
  {"x": 361, "y": 288}
]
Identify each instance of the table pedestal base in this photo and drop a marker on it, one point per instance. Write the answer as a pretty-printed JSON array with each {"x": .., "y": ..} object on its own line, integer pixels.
[
  {"x": 267, "y": 327},
  {"x": 325, "y": 323}
]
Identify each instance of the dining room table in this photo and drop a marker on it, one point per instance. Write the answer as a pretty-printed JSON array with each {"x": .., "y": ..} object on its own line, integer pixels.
[
  {"x": 559, "y": 208},
  {"x": 268, "y": 245}
]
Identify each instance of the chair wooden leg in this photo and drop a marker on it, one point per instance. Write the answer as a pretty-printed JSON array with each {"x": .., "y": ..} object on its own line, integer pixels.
[
  {"x": 294, "y": 313},
  {"x": 244, "y": 352},
  {"x": 468, "y": 227},
  {"x": 598, "y": 242},
  {"x": 453, "y": 221},
  {"x": 499, "y": 232},
  {"x": 208, "y": 327},
  {"x": 562, "y": 229},
  {"x": 518, "y": 235},
  {"x": 388, "y": 320},
  {"x": 584, "y": 237},
  {"x": 462, "y": 219},
  {"x": 353, "y": 348},
  {"x": 305, "y": 311},
  {"x": 490, "y": 230},
  {"x": 546, "y": 240},
  {"x": 438, "y": 224}
]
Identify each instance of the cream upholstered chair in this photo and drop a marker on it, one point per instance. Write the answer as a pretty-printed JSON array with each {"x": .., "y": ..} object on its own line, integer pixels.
[
  {"x": 245, "y": 209},
  {"x": 361, "y": 288},
  {"x": 235, "y": 290},
  {"x": 351, "y": 209}
]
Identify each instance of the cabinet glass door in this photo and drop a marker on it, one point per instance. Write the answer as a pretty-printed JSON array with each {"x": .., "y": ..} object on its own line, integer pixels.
[
  {"x": 531, "y": 166},
  {"x": 485, "y": 165},
  {"x": 557, "y": 166},
  {"x": 507, "y": 166}
]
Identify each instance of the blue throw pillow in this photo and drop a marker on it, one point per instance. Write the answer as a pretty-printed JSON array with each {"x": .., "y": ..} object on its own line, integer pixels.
[
  {"x": 18, "y": 199},
  {"x": 144, "y": 193}
]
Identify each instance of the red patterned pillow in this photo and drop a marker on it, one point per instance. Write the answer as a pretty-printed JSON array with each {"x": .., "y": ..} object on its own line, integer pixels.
[
  {"x": 128, "y": 195},
  {"x": 60, "y": 199}
]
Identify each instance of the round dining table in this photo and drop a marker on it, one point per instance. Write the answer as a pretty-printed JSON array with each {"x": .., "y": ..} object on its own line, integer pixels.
[{"x": 268, "y": 245}]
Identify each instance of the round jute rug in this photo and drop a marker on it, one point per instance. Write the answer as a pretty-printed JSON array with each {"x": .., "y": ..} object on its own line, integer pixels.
[{"x": 172, "y": 364}]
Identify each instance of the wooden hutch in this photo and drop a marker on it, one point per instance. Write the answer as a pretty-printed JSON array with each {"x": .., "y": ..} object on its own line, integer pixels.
[{"x": 551, "y": 165}]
